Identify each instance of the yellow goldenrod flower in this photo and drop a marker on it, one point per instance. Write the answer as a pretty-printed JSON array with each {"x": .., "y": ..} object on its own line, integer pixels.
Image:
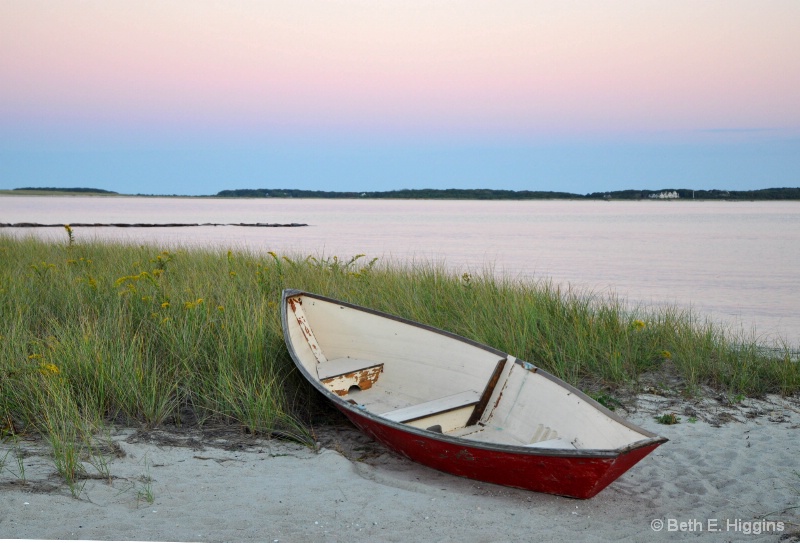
[
  {"x": 666, "y": 354},
  {"x": 220, "y": 308},
  {"x": 164, "y": 305},
  {"x": 637, "y": 324},
  {"x": 49, "y": 369}
]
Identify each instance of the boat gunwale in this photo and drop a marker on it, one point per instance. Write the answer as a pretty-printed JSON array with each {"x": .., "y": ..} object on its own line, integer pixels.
[{"x": 343, "y": 405}]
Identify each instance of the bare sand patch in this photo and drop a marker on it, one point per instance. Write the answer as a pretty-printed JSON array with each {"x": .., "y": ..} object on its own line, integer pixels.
[{"x": 729, "y": 466}]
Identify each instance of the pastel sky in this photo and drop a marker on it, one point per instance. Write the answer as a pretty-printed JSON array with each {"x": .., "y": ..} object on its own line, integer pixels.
[{"x": 194, "y": 97}]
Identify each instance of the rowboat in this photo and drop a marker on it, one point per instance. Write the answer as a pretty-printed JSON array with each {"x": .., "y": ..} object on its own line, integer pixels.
[{"x": 455, "y": 405}]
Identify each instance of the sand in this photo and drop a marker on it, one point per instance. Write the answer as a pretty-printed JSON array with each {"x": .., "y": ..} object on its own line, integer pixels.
[{"x": 730, "y": 468}]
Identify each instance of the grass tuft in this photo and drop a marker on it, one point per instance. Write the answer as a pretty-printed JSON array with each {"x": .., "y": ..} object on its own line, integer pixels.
[{"x": 668, "y": 418}]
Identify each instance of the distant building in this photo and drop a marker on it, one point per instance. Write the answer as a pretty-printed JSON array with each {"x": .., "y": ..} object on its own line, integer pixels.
[{"x": 665, "y": 195}]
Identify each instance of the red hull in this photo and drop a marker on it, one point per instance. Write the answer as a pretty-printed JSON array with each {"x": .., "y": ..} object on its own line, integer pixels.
[{"x": 573, "y": 476}]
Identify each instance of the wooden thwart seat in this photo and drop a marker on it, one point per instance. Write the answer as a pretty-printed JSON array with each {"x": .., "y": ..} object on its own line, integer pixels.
[
  {"x": 441, "y": 405},
  {"x": 340, "y": 374}
]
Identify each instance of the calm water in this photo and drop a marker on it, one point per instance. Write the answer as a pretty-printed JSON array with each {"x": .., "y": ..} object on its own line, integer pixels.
[{"x": 736, "y": 262}]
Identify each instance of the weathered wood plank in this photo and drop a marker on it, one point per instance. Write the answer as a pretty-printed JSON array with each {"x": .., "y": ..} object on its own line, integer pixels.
[{"x": 440, "y": 405}]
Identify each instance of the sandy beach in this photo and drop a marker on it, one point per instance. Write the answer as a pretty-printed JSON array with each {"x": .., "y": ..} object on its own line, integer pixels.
[{"x": 730, "y": 472}]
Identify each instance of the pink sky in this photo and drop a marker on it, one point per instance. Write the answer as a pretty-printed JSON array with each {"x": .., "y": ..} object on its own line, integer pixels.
[
  {"x": 131, "y": 79},
  {"x": 538, "y": 68}
]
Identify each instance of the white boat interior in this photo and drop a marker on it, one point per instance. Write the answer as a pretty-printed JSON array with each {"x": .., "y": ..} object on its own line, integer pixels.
[{"x": 414, "y": 375}]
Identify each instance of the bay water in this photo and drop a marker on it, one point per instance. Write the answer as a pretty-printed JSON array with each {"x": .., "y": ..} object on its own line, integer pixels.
[{"x": 733, "y": 262}]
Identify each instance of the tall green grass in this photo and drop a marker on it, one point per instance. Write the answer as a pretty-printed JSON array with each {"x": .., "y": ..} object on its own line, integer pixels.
[{"x": 95, "y": 332}]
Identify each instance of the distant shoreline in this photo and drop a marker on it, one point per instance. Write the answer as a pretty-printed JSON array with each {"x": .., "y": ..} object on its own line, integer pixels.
[{"x": 770, "y": 194}]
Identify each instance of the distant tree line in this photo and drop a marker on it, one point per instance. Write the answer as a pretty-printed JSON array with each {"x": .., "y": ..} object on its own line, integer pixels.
[
  {"x": 689, "y": 194},
  {"x": 432, "y": 194},
  {"x": 787, "y": 193},
  {"x": 492, "y": 194}
]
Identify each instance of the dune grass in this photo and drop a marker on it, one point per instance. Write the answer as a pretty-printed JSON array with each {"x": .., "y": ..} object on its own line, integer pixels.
[{"x": 97, "y": 332}]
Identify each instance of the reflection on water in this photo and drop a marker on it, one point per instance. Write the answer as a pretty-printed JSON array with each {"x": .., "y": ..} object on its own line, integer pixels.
[{"x": 736, "y": 261}]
